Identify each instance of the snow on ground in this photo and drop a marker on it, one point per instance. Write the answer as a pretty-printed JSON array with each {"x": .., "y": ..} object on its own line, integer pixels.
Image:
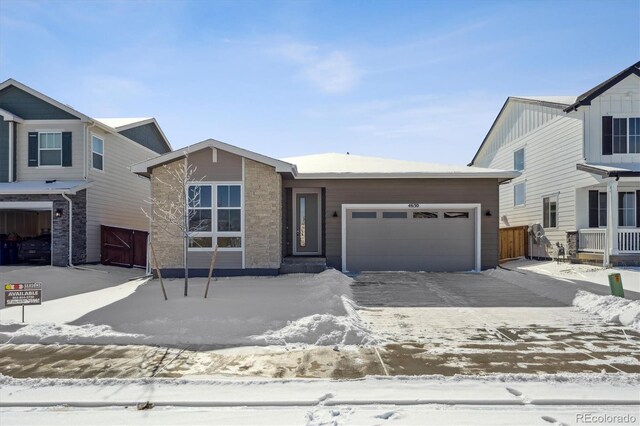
[
  {"x": 611, "y": 308},
  {"x": 305, "y": 309},
  {"x": 571, "y": 271},
  {"x": 505, "y": 399}
]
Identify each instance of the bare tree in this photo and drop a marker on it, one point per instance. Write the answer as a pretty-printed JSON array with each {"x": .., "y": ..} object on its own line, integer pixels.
[{"x": 186, "y": 211}]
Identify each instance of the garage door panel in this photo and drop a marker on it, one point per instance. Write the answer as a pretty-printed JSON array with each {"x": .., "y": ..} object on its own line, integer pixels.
[{"x": 412, "y": 244}]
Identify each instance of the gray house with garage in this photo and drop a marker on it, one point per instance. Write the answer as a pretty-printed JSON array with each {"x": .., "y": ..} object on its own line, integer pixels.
[
  {"x": 64, "y": 174},
  {"x": 350, "y": 212}
]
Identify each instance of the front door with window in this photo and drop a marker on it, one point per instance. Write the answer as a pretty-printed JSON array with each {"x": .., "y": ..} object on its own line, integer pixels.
[{"x": 307, "y": 222}]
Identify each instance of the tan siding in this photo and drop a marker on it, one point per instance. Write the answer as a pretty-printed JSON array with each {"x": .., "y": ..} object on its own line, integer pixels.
[
  {"x": 228, "y": 167},
  {"x": 76, "y": 172},
  {"x": 400, "y": 191},
  {"x": 117, "y": 196},
  {"x": 262, "y": 209}
]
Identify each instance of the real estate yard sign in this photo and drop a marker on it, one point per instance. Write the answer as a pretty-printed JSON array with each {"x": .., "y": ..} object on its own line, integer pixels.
[{"x": 21, "y": 294}]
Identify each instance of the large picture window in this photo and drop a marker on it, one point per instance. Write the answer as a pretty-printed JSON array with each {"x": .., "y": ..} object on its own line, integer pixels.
[
  {"x": 219, "y": 223},
  {"x": 50, "y": 149},
  {"x": 626, "y": 135}
]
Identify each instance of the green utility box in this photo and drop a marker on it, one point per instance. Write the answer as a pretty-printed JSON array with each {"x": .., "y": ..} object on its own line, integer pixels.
[{"x": 615, "y": 282}]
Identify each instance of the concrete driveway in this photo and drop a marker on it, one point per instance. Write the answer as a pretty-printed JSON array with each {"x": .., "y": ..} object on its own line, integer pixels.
[{"x": 433, "y": 289}]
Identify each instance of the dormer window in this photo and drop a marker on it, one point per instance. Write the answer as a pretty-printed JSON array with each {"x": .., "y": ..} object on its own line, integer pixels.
[{"x": 620, "y": 135}]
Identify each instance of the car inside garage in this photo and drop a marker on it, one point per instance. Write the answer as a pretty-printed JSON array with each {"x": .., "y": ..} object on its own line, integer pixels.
[
  {"x": 437, "y": 238},
  {"x": 25, "y": 235}
]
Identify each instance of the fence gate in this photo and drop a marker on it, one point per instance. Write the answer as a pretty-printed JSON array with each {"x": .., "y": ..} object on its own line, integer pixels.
[
  {"x": 513, "y": 242},
  {"x": 123, "y": 247}
]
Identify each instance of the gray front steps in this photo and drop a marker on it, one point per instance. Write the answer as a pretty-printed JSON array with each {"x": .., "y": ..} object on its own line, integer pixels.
[{"x": 303, "y": 265}]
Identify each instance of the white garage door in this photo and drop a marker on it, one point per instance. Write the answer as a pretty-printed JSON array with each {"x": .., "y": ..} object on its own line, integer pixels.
[{"x": 432, "y": 238}]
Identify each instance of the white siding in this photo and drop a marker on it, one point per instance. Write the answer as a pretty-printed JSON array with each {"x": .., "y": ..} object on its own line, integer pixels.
[
  {"x": 117, "y": 196},
  {"x": 622, "y": 100},
  {"x": 551, "y": 153},
  {"x": 518, "y": 119},
  {"x": 24, "y": 172}
]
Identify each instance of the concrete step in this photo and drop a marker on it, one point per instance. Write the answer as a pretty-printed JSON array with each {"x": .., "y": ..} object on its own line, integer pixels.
[{"x": 303, "y": 265}]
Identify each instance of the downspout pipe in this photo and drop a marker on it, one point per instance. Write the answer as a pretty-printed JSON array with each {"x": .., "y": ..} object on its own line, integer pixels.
[{"x": 70, "y": 228}]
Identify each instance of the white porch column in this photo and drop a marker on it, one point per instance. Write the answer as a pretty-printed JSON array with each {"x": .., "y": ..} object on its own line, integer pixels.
[{"x": 612, "y": 218}]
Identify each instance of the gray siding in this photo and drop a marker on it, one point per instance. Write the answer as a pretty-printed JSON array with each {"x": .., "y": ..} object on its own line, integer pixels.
[
  {"x": 227, "y": 168},
  {"x": 400, "y": 191},
  {"x": 148, "y": 136},
  {"x": 4, "y": 150},
  {"x": 224, "y": 259},
  {"x": 30, "y": 107}
]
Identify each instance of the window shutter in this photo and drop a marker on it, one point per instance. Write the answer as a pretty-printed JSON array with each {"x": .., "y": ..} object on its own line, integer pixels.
[
  {"x": 66, "y": 149},
  {"x": 607, "y": 135},
  {"x": 637, "y": 209},
  {"x": 33, "y": 149},
  {"x": 593, "y": 209}
]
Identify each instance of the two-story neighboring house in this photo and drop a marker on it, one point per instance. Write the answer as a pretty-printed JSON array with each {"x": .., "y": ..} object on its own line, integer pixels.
[
  {"x": 579, "y": 159},
  {"x": 64, "y": 174}
]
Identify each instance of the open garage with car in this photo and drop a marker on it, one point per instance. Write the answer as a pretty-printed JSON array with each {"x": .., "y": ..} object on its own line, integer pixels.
[{"x": 25, "y": 233}]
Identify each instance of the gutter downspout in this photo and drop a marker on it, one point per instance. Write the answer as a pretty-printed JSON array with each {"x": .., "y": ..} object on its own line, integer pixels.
[{"x": 70, "y": 228}]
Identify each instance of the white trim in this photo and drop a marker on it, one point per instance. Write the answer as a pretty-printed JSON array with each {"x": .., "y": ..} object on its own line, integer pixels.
[
  {"x": 410, "y": 175},
  {"x": 72, "y": 190},
  {"x": 477, "y": 207},
  {"x": 294, "y": 192},
  {"x": 27, "y": 205},
  {"x": 244, "y": 240},
  {"x": 144, "y": 167},
  {"x": 9, "y": 116}
]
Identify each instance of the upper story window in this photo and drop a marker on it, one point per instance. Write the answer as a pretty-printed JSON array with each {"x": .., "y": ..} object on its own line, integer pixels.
[
  {"x": 519, "y": 195},
  {"x": 97, "y": 153},
  {"x": 550, "y": 212},
  {"x": 50, "y": 149},
  {"x": 518, "y": 160},
  {"x": 620, "y": 135}
]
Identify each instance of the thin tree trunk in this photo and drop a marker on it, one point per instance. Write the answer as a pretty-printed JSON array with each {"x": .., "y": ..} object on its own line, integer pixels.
[
  {"x": 155, "y": 261},
  {"x": 213, "y": 261}
]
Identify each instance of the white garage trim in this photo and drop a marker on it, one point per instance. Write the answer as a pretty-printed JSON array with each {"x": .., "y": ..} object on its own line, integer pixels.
[{"x": 411, "y": 206}]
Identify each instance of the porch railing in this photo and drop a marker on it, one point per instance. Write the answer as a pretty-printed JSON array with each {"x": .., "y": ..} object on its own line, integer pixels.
[
  {"x": 594, "y": 240},
  {"x": 629, "y": 240}
]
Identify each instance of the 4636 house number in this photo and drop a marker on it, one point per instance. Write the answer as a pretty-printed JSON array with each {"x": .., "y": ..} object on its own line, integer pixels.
[{"x": 413, "y": 205}]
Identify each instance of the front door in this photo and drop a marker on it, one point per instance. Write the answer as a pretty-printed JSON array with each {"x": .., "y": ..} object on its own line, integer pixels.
[{"x": 307, "y": 222}]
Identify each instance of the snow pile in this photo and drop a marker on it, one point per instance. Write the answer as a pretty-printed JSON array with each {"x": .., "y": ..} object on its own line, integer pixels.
[
  {"x": 611, "y": 308},
  {"x": 302, "y": 308},
  {"x": 325, "y": 329}
]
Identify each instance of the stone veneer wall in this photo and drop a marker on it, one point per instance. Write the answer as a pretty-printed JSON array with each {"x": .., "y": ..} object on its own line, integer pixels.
[
  {"x": 262, "y": 215},
  {"x": 166, "y": 238},
  {"x": 60, "y": 230}
]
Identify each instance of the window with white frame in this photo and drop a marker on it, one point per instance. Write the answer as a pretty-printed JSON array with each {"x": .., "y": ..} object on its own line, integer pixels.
[
  {"x": 602, "y": 209},
  {"x": 518, "y": 160},
  {"x": 226, "y": 214},
  {"x": 229, "y": 216},
  {"x": 97, "y": 153},
  {"x": 519, "y": 195},
  {"x": 50, "y": 149},
  {"x": 550, "y": 212},
  {"x": 626, "y": 209},
  {"x": 626, "y": 135}
]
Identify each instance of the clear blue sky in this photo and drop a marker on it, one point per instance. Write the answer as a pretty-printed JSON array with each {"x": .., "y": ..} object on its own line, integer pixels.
[{"x": 416, "y": 80}]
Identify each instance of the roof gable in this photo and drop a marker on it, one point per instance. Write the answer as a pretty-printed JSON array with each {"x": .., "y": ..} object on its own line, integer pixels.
[
  {"x": 148, "y": 135},
  {"x": 588, "y": 96},
  {"x": 31, "y": 107}
]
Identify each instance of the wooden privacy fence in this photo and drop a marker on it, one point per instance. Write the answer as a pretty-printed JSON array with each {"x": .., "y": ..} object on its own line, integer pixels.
[
  {"x": 513, "y": 242},
  {"x": 123, "y": 247}
]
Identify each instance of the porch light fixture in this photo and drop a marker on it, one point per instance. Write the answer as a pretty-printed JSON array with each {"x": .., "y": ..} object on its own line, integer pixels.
[
  {"x": 335, "y": 213},
  {"x": 488, "y": 213},
  {"x": 58, "y": 213}
]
